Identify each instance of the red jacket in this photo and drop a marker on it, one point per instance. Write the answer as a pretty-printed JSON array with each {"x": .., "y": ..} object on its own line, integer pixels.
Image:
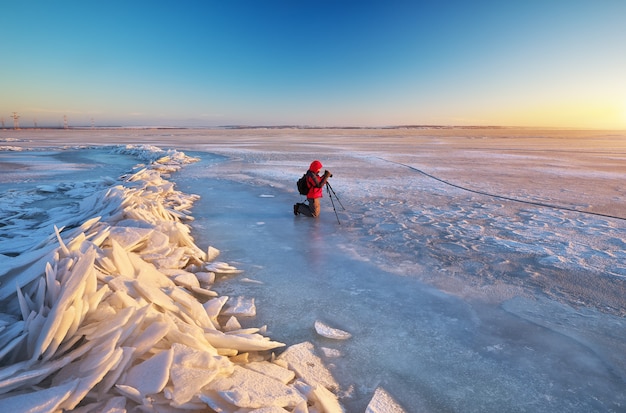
[{"x": 316, "y": 184}]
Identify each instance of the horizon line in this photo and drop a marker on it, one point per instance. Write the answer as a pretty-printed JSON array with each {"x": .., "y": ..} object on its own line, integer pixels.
[{"x": 303, "y": 127}]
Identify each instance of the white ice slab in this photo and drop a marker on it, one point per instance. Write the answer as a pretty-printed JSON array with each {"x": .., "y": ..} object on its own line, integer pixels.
[
  {"x": 382, "y": 402},
  {"x": 325, "y": 330},
  {"x": 301, "y": 358},
  {"x": 43, "y": 401},
  {"x": 248, "y": 389},
  {"x": 240, "y": 306},
  {"x": 150, "y": 376}
]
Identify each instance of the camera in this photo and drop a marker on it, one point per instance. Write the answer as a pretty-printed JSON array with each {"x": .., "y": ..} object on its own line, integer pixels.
[{"x": 328, "y": 172}]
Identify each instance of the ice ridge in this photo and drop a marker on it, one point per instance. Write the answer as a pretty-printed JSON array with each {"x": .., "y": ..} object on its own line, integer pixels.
[{"x": 112, "y": 309}]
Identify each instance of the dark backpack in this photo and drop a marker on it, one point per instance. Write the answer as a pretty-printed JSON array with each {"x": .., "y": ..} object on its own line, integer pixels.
[{"x": 303, "y": 186}]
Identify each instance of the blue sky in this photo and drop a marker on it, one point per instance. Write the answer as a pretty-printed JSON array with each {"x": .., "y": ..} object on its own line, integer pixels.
[{"x": 314, "y": 62}]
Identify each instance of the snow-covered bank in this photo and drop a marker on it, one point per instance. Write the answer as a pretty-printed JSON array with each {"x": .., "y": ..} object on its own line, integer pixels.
[{"x": 107, "y": 306}]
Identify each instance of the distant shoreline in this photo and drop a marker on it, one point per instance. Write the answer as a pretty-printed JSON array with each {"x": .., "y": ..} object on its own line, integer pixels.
[{"x": 301, "y": 127}]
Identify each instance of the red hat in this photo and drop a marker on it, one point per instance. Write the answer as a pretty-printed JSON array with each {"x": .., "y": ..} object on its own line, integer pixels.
[{"x": 315, "y": 166}]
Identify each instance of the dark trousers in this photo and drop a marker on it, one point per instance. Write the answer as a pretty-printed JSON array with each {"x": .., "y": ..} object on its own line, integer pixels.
[{"x": 311, "y": 210}]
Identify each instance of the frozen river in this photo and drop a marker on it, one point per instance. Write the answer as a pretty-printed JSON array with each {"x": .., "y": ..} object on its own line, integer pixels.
[{"x": 458, "y": 296}]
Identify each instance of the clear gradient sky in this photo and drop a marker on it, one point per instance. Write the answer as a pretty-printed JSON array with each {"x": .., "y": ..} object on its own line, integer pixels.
[{"x": 555, "y": 63}]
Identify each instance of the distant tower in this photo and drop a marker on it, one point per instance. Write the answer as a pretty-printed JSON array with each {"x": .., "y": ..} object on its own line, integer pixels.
[
  {"x": 16, "y": 120},
  {"x": 35, "y": 122},
  {"x": 93, "y": 125},
  {"x": 65, "y": 122},
  {"x": 2, "y": 122}
]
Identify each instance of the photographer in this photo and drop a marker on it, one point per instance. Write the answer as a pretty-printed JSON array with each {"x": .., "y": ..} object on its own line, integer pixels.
[{"x": 315, "y": 183}]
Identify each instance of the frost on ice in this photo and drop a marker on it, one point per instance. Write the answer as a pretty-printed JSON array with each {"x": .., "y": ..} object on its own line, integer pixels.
[{"x": 111, "y": 309}]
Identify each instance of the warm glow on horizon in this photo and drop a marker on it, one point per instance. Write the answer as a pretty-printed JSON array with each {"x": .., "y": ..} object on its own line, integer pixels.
[{"x": 608, "y": 115}]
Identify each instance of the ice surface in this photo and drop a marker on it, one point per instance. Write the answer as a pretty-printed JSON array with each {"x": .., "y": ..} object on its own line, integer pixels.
[
  {"x": 481, "y": 290},
  {"x": 421, "y": 272}
]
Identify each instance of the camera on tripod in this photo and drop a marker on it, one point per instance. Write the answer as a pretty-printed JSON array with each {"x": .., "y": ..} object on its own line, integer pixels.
[{"x": 327, "y": 172}]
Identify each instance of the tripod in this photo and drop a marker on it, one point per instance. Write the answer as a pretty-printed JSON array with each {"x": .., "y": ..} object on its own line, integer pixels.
[{"x": 332, "y": 193}]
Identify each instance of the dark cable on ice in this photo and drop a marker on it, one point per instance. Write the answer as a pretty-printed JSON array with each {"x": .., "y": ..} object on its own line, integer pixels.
[{"x": 563, "y": 208}]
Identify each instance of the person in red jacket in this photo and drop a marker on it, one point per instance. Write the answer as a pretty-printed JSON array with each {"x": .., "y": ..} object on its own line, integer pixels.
[{"x": 315, "y": 184}]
